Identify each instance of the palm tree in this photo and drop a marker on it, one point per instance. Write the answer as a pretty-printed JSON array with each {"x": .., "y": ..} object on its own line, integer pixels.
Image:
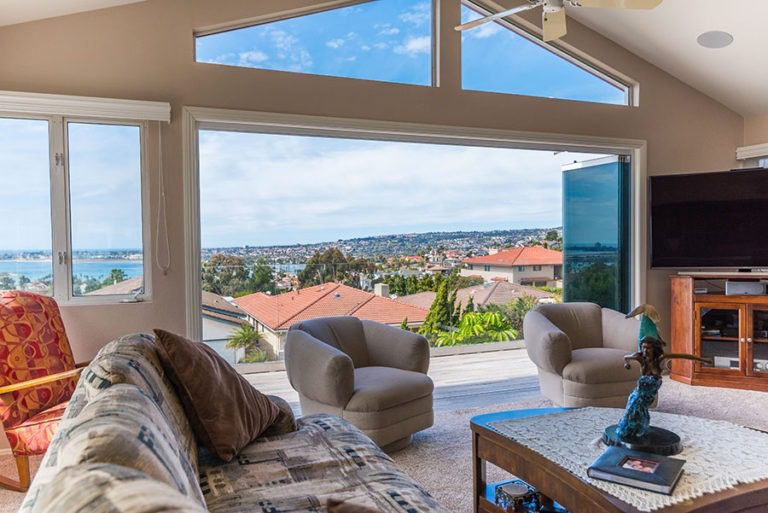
[{"x": 246, "y": 338}]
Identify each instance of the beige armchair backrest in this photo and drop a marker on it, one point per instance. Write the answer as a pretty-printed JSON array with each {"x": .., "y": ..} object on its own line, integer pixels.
[
  {"x": 620, "y": 332},
  {"x": 581, "y": 322},
  {"x": 344, "y": 333}
]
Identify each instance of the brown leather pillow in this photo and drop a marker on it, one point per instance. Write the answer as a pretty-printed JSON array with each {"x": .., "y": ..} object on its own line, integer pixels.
[
  {"x": 224, "y": 410},
  {"x": 335, "y": 506}
]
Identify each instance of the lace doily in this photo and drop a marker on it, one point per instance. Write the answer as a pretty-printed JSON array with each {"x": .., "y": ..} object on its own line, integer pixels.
[{"x": 719, "y": 455}]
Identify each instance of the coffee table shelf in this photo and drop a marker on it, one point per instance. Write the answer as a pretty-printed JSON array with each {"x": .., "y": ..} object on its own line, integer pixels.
[{"x": 570, "y": 491}]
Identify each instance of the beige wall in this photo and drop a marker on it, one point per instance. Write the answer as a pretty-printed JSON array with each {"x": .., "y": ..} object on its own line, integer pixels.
[
  {"x": 756, "y": 130},
  {"x": 145, "y": 51}
]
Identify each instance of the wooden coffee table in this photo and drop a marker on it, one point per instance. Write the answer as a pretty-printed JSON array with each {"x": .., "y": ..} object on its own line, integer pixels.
[{"x": 574, "y": 494}]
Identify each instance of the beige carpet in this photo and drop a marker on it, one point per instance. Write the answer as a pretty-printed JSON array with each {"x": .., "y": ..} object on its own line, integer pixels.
[{"x": 440, "y": 457}]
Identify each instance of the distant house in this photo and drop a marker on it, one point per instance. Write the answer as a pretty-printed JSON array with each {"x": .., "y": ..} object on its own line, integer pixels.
[
  {"x": 129, "y": 286},
  {"x": 493, "y": 293},
  {"x": 220, "y": 317},
  {"x": 535, "y": 266},
  {"x": 272, "y": 315}
]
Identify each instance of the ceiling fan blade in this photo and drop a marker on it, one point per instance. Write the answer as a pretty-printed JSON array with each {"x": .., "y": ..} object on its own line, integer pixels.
[
  {"x": 497, "y": 16},
  {"x": 622, "y": 4},
  {"x": 554, "y": 24}
]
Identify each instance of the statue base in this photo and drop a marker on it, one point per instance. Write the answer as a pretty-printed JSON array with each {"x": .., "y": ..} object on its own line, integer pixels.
[{"x": 657, "y": 441}]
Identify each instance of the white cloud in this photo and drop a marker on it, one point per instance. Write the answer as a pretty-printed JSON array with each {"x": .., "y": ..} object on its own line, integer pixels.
[
  {"x": 485, "y": 31},
  {"x": 381, "y": 46},
  {"x": 252, "y": 57},
  {"x": 415, "y": 45},
  {"x": 418, "y": 15},
  {"x": 388, "y": 30},
  {"x": 268, "y": 189},
  {"x": 289, "y": 49},
  {"x": 365, "y": 48},
  {"x": 335, "y": 43}
]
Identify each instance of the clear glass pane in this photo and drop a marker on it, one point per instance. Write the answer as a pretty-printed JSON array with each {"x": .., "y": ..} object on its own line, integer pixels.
[
  {"x": 386, "y": 40},
  {"x": 298, "y": 227},
  {"x": 720, "y": 337},
  {"x": 760, "y": 339},
  {"x": 25, "y": 205},
  {"x": 595, "y": 232},
  {"x": 105, "y": 206},
  {"x": 496, "y": 59}
]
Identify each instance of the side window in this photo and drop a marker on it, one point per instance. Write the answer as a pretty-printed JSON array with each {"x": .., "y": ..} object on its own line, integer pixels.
[{"x": 105, "y": 209}]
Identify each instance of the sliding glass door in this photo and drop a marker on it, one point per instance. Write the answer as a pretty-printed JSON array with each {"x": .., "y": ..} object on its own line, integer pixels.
[{"x": 596, "y": 232}]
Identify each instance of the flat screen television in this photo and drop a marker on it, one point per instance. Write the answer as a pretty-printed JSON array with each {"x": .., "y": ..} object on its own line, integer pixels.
[{"x": 710, "y": 220}]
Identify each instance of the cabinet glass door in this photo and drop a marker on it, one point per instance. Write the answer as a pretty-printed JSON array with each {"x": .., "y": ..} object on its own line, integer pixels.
[
  {"x": 719, "y": 336},
  {"x": 758, "y": 342}
]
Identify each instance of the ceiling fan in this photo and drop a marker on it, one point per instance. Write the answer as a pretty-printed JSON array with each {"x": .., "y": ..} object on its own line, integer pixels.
[{"x": 553, "y": 15}]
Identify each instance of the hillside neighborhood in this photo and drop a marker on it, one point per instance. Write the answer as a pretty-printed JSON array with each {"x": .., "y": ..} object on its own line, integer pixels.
[{"x": 409, "y": 291}]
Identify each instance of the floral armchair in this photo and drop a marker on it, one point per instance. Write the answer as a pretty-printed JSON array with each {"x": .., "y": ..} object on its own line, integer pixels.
[{"x": 37, "y": 376}]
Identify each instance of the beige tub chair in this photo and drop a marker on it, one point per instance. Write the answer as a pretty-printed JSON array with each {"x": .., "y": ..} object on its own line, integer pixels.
[
  {"x": 371, "y": 374},
  {"x": 579, "y": 351}
]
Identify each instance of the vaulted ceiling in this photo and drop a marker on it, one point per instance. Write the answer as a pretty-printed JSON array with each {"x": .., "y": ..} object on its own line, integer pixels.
[{"x": 736, "y": 75}]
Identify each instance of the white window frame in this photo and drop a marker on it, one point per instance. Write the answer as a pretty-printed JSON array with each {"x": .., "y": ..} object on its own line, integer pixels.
[
  {"x": 197, "y": 118},
  {"x": 58, "y": 110}
]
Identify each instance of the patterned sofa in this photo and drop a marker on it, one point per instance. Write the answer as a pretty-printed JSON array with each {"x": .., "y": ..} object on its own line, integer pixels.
[{"x": 124, "y": 439}]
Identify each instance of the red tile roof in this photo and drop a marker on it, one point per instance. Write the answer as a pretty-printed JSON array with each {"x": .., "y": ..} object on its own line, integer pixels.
[
  {"x": 495, "y": 293},
  {"x": 535, "y": 255},
  {"x": 278, "y": 312}
]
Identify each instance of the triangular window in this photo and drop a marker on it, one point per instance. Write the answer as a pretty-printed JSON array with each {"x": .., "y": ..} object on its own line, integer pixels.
[
  {"x": 384, "y": 40},
  {"x": 498, "y": 58}
]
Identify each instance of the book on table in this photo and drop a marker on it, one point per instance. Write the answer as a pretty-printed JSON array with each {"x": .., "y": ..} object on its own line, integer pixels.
[{"x": 643, "y": 470}]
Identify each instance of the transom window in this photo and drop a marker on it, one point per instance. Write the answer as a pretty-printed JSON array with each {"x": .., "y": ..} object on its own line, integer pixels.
[
  {"x": 498, "y": 58},
  {"x": 385, "y": 40}
]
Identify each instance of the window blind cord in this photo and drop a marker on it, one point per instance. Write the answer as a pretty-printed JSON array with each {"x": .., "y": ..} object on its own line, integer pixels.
[{"x": 162, "y": 217}]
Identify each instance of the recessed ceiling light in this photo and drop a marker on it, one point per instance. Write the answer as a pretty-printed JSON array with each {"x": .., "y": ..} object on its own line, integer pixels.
[{"x": 715, "y": 39}]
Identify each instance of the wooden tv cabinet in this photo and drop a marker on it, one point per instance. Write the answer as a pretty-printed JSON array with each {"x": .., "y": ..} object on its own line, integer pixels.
[{"x": 731, "y": 329}]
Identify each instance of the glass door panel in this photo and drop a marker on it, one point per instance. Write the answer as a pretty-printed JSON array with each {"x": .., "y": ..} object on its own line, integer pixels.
[
  {"x": 719, "y": 336},
  {"x": 596, "y": 232},
  {"x": 759, "y": 344}
]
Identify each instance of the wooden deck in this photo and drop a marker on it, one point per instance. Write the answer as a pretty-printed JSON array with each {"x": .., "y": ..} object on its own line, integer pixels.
[{"x": 461, "y": 381}]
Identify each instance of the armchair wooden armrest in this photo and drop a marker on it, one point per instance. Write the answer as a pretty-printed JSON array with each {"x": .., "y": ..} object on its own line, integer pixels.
[{"x": 36, "y": 382}]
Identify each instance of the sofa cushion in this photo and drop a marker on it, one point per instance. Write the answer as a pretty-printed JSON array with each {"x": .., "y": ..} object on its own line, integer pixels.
[
  {"x": 381, "y": 388},
  {"x": 225, "y": 411},
  {"x": 582, "y": 322},
  {"x": 344, "y": 333},
  {"x": 327, "y": 458},
  {"x": 133, "y": 360},
  {"x": 106, "y": 488},
  {"x": 123, "y": 426},
  {"x": 599, "y": 365},
  {"x": 620, "y": 332}
]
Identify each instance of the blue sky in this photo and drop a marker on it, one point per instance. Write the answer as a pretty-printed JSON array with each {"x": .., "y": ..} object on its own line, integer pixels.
[
  {"x": 391, "y": 40},
  {"x": 261, "y": 189}
]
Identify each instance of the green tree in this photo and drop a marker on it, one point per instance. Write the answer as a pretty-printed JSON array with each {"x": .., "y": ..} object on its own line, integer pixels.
[
  {"x": 23, "y": 282},
  {"x": 225, "y": 275},
  {"x": 439, "y": 315},
  {"x": 262, "y": 277},
  {"x": 115, "y": 277},
  {"x": 246, "y": 338},
  {"x": 470, "y": 307},
  {"x": 7, "y": 282},
  {"x": 552, "y": 235},
  {"x": 404, "y": 325},
  {"x": 332, "y": 266}
]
